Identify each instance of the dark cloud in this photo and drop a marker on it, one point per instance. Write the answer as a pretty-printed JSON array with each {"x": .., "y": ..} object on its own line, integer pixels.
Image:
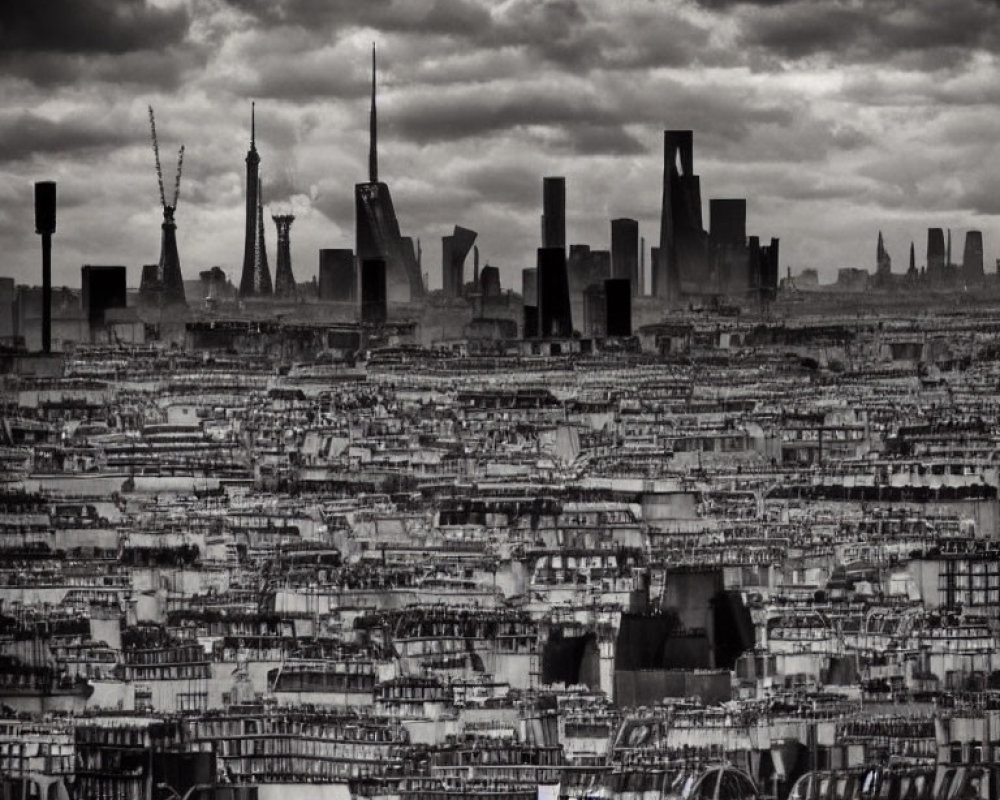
[
  {"x": 89, "y": 26},
  {"x": 70, "y": 42},
  {"x": 25, "y": 135},
  {"x": 415, "y": 16},
  {"x": 920, "y": 33}
]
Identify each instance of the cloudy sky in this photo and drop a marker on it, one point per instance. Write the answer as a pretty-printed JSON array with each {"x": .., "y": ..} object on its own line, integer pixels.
[{"x": 836, "y": 118}]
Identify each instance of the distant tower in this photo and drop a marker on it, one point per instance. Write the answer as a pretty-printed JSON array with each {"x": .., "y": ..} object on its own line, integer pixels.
[
  {"x": 554, "y": 212},
  {"x": 972, "y": 257},
  {"x": 373, "y": 131},
  {"x": 169, "y": 283},
  {"x": 625, "y": 251},
  {"x": 912, "y": 271},
  {"x": 936, "y": 254},
  {"x": 254, "y": 282},
  {"x": 261, "y": 270},
  {"x": 882, "y": 259},
  {"x": 284, "y": 280}
]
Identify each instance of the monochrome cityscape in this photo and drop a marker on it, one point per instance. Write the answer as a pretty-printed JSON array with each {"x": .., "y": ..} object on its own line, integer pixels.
[{"x": 654, "y": 515}]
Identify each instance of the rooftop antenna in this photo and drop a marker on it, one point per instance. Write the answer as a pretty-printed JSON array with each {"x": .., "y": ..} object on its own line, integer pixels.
[{"x": 373, "y": 132}]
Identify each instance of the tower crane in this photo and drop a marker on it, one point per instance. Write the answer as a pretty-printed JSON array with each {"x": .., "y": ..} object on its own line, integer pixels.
[{"x": 159, "y": 169}]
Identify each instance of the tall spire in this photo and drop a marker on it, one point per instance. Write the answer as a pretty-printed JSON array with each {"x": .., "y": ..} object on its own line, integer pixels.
[
  {"x": 373, "y": 132},
  {"x": 253, "y": 127}
]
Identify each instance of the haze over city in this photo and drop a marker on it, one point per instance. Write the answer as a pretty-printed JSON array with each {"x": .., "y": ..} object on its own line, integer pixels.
[{"x": 834, "y": 119}]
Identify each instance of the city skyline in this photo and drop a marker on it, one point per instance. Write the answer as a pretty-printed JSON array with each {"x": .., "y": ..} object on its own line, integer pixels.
[{"x": 834, "y": 121}]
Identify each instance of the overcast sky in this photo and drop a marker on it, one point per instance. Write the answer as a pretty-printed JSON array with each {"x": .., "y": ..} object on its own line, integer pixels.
[{"x": 835, "y": 118}]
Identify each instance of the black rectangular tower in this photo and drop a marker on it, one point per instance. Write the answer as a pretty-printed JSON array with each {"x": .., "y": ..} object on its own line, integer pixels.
[{"x": 373, "y": 299}]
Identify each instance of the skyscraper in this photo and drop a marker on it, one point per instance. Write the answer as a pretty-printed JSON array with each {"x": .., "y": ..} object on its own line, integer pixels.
[
  {"x": 554, "y": 311},
  {"x": 682, "y": 262},
  {"x": 377, "y": 229},
  {"x": 625, "y": 251},
  {"x": 553, "y": 212}
]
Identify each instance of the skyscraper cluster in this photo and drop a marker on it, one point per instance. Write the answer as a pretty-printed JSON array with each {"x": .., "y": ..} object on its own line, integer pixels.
[
  {"x": 939, "y": 271},
  {"x": 569, "y": 293},
  {"x": 691, "y": 262}
]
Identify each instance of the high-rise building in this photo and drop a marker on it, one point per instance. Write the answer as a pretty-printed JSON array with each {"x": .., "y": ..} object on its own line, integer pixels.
[
  {"x": 554, "y": 212},
  {"x": 682, "y": 264},
  {"x": 373, "y": 292},
  {"x": 729, "y": 257},
  {"x": 338, "y": 275},
  {"x": 618, "y": 307},
  {"x": 377, "y": 231},
  {"x": 554, "y": 312},
  {"x": 102, "y": 288},
  {"x": 625, "y": 251},
  {"x": 529, "y": 286}
]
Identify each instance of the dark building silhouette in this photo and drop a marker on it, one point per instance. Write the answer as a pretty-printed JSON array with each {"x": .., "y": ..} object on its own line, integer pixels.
[
  {"x": 373, "y": 291},
  {"x": 731, "y": 270},
  {"x": 654, "y": 277},
  {"x": 338, "y": 275},
  {"x": 530, "y": 322},
  {"x": 935, "y": 250},
  {"x": 529, "y": 286},
  {"x": 489, "y": 282},
  {"x": 585, "y": 268},
  {"x": 553, "y": 212},
  {"x": 215, "y": 284},
  {"x": 972, "y": 257},
  {"x": 454, "y": 249},
  {"x": 45, "y": 226},
  {"x": 554, "y": 314},
  {"x": 377, "y": 229},
  {"x": 102, "y": 288},
  {"x": 768, "y": 269},
  {"x": 625, "y": 251},
  {"x": 255, "y": 279},
  {"x": 883, "y": 262},
  {"x": 618, "y": 307},
  {"x": 284, "y": 279},
  {"x": 911, "y": 273},
  {"x": 148, "y": 282},
  {"x": 594, "y": 310},
  {"x": 642, "y": 266},
  {"x": 728, "y": 220},
  {"x": 691, "y": 262},
  {"x": 682, "y": 264}
]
